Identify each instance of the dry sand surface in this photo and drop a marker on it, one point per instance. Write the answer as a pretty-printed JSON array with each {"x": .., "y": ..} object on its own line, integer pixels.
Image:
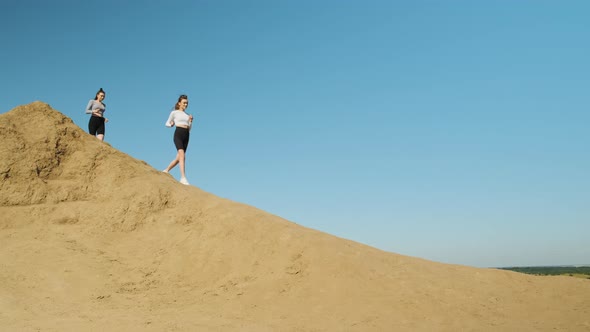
[{"x": 92, "y": 239}]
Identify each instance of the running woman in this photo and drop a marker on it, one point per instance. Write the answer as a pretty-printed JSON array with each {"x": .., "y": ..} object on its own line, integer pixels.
[
  {"x": 183, "y": 122},
  {"x": 97, "y": 120}
]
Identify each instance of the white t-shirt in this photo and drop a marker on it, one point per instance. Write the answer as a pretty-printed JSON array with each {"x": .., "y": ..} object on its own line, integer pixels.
[{"x": 178, "y": 118}]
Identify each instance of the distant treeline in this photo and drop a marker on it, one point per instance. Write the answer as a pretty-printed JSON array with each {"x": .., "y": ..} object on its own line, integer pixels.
[{"x": 551, "y": 270}]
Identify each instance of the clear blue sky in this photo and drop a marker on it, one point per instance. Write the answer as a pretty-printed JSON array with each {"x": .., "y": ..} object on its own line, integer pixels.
[{"x": 455, "y": 131}]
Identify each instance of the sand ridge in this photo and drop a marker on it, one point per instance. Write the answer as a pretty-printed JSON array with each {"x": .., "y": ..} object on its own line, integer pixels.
[{"x": 91, "y": 238}]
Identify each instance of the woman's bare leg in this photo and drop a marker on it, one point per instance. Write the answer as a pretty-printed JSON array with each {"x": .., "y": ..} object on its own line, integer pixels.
[
  {"x": 181, "y": 159},
  {"x": 174, "y": 162}
]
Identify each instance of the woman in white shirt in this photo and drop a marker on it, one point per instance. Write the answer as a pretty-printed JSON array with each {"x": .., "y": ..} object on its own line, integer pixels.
[{"x": 183, "y": 123}]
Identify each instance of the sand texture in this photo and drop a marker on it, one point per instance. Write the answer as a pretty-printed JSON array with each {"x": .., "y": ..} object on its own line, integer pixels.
[{"x": 92, "y": 239}]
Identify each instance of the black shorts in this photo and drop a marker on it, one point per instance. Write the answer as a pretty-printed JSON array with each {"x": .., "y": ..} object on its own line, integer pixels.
[
  {"x": 96, "y": 126},
  {"x": 181, "y": 136}
]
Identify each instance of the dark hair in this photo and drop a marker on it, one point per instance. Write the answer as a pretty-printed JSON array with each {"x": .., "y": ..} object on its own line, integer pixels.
[
  {"x": 99, "y": 91},
  {"x": 179, "y": 99}
]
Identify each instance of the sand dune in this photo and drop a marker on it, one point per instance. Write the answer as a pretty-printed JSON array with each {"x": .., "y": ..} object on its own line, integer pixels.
[{"x": 92, "y": 239}]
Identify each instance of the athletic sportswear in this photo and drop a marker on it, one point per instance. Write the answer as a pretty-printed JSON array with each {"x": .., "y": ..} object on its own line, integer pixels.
[
  {"x": 95, "y": 105},
  {"x": 181, "y": 137},
  {"x": 96, "y": 125},
  {"x": 177, "y": 118}
]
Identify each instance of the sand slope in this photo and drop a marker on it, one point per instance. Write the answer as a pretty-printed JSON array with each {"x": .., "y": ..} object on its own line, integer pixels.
[{"x": 92, "y": 239}]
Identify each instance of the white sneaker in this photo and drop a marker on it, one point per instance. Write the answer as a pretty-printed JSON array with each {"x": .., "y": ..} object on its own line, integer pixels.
[
  {"x": 184, "y": 181},
  {"x": 165, "y": 171}
]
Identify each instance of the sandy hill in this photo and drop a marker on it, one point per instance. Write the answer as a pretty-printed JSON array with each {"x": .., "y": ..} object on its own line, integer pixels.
[{"x": 92, "y": 239}]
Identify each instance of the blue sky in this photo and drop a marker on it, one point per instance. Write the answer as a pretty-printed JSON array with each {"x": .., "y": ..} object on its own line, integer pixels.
[{"x": 455, "y": 131}]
